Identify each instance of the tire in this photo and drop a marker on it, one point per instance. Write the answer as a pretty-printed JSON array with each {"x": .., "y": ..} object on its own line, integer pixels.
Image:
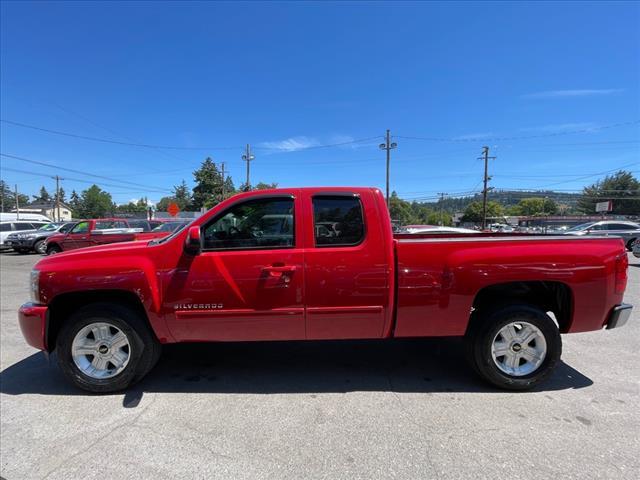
[
  {"x": 630, "y": 244},
  {"x": 142, "y": 349},
  {"x": 40, "y": 247},
  {"x": 524, "y": 365},
  {"x": 53, "y": 249}
]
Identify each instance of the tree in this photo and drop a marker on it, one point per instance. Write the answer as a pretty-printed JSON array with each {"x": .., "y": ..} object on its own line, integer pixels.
[
  {"x": 437, "y": 218},
  {"x": 60, "y": 194},
  {"x": 400, "y": 210},
  {"x": 265, "y": 186},
  {"x": 94, "y": 203},
  {"x": 473, "y": 212},
  {"x": 8, "y": 202},
  {"x": 133, "y": 207},
  {"x": 535, "y": 206},
  {"x": 74, "y": 202},
  {"x": 622, "y": 188},
  {"x": 208, "y": 189},
  {"x": 43, "y": 196}
]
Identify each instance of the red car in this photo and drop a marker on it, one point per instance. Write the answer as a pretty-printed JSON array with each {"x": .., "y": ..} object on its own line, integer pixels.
[
  {"x": 255, "y": 267},
  {"x": 89, "y": 233}
]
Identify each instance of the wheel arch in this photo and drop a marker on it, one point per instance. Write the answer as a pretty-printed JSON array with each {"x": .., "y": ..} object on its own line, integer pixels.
[
  {"x": 63, "y": 305},
  {"x": 551, "y": 296}
]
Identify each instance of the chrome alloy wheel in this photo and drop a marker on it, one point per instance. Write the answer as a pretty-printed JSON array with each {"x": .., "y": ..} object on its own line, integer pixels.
[
  {"x": 101, "y": 350},
  {"x": 519, "y": 348}
]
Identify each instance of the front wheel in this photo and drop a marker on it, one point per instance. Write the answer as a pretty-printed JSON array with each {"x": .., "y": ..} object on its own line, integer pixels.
[
  {"x": 53, "y": 249},
  {"x": 40, "y": 247},
  {"x": 106, "y": 348},
  {"x": 515, "y": 347}
]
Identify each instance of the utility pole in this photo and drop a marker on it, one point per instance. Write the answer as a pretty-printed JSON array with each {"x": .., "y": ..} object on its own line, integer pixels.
[
  {"x": 17, "y": 206},
  {"x": 247, "y": 157},
  {"x": 485, "y": 190},
  {"x": 388, "y": 146},
  {"x": 57, "y": 196},
  {"x": 442, "y": 195},
  {"x": 222, "y": 171}
]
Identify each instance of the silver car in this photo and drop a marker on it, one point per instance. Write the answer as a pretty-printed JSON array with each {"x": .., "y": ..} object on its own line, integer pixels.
[{"x": 628, "y": 231}]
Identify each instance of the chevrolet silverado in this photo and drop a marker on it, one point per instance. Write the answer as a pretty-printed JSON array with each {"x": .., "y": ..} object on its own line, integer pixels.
[{"x": 321, "y": 263}]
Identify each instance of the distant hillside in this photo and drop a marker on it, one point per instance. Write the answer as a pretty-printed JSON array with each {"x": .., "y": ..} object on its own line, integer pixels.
[{"x": 507, "y": 198}]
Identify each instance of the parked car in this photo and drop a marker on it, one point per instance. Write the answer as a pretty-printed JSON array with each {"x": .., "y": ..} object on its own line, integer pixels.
[
  {"x": 34, "y": 240},
  {"x": 7, "y": 227},
  {"x": 628, "y": 231},
  {"x": 107, "y": 310},
  {"x": 145, "y": 225}
]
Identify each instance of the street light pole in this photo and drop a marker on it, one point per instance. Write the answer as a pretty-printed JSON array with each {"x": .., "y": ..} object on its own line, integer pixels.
[
  {"x": 247, "y": 157},
  {"x": 388, "y": 146}
]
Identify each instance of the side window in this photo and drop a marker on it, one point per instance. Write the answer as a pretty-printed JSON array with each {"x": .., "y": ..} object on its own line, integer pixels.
[
  {"x": 5, "y": 227},
  {"x": 66, "y": 228},
  {"x": 338, "y": 221},
  {"x": 120, "y": 224},
  {"x": 23, "y": 226},
  {"x": 620, "y": 226},
  {"x": 597, "y": 227},
  {"x": 261, "y": 223},
  {"x": 82, "y": 227},
  {"x": 105, "y": 224}
]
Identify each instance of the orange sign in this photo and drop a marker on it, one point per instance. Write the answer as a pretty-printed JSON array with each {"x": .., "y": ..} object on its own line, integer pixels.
[{"x": 173, "y": 209}]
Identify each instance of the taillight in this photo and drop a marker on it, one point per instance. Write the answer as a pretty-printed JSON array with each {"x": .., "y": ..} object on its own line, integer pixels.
[{"x": 622, "y": 264}]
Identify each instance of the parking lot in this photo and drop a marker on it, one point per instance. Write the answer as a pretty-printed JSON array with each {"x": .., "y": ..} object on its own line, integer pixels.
[{"x": 401, "y": 409}]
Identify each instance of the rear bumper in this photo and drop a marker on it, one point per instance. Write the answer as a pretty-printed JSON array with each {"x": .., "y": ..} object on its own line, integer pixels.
[
  {"x": 33, "y": 323},
  {"x": 619, "y": 316}
]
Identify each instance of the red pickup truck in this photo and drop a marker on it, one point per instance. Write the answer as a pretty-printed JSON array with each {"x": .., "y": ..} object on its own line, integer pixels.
[
  {"x": 89, "y": 233},
  {"x": 321, "y": 263}
]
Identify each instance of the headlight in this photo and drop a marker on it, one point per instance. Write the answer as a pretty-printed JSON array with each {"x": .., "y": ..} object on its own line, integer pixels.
[{"x": 35, "y": 286}]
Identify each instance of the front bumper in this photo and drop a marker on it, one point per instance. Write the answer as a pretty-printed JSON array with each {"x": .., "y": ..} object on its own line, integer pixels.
[
  {"x": 33, "y": 323},
  {"x": 19, "y": 243},
  {"x": 619, "y": 316}
]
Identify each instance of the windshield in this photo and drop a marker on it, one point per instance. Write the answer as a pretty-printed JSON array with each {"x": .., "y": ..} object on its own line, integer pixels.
[
  {"x": 579, "y": 228},
  {"x": 49, "y": 227},
  {"x": 169, "y": 237}
]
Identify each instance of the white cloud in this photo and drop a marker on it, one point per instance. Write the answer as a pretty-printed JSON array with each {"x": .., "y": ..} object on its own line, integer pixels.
[
  {"x": 561, "y": 127},
  {"x": 474, "y": 136},
  {"x": 587, "y": 92},
  {"x": 291, "y": 144}
]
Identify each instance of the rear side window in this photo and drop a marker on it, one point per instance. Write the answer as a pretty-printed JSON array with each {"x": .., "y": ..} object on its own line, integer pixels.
[
  {"x": 107, "y": 224},
  {"x": 5, "y": 227},
  {"x": 143, "y": 224},
  {"x": 255, "y": 224},
  {"x": 338, "y": 221},
  {"x": 621, "y": 226}
]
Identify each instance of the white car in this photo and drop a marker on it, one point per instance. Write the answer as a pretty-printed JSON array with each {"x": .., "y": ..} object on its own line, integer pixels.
[{"x": 10, "y": 226}]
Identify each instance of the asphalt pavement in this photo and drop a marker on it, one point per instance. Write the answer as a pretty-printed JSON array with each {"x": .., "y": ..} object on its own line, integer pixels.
[{"x": 361, "y": 410}]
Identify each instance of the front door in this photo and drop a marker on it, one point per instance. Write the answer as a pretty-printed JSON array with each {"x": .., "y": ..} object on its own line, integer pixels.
[
  {"x": 248, "y": 282},
  {"x": 78, "y": 237}
]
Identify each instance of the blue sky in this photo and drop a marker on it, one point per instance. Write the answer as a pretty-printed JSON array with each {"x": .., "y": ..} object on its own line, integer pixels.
[{"x": 284, "y": 76}]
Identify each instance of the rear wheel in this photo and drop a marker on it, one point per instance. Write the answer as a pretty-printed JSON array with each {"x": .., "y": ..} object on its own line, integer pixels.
[
  {"x": 630, "y": 244},
  {"x": 106, "y": 348},
  {"x": 53, "y": 249},
  {"x": 515, "y": 347}
]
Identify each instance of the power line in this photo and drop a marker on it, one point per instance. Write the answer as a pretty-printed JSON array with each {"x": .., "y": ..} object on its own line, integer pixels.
[
  {"x": 8, "y": 169},
  {"x": 36, "y": 162},
  {"x": 173, "y": 147},
  {"x": 521, "y": 137}
]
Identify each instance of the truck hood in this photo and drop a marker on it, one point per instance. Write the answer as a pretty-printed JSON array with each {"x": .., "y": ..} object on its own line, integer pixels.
[{"x": 99, "y": 251}]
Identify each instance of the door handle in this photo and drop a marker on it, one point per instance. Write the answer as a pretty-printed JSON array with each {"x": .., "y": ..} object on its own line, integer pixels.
[{"x": 279, "y": 270}]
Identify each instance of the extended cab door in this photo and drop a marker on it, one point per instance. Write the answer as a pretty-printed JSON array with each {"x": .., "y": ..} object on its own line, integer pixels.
[
  {"x": 248, "y": 281},
  {"x": 348, "y": 266}
]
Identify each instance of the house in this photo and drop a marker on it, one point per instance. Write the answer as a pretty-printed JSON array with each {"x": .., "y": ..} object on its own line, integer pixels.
[{"x": 48, "y": 209}]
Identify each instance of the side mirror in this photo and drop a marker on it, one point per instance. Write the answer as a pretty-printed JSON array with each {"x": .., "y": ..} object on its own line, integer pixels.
[{"x": 193, "y": 242}]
